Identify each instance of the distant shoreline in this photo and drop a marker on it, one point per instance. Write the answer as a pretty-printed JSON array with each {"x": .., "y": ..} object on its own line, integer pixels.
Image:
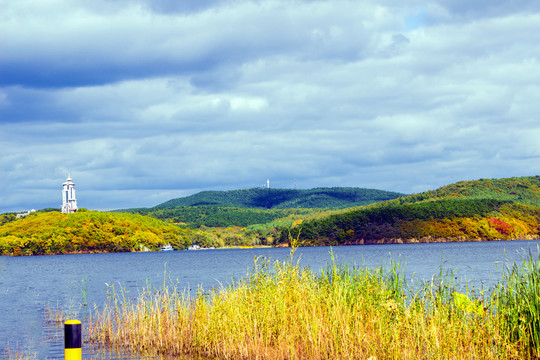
[
  {"x": 396, "y": 241},
  {"x": 430, "y": 240}
]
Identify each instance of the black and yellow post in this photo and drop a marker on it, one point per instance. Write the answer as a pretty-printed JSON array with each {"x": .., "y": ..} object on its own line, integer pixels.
[{"x": 72, "y": 340}]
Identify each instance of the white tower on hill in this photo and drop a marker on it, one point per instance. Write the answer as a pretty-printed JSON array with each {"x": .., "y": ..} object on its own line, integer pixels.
[{"x": 69, "y": 202}]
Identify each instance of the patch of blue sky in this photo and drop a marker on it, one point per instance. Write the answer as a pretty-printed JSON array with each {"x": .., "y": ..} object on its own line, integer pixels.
[{"x": 414, "y": 21}]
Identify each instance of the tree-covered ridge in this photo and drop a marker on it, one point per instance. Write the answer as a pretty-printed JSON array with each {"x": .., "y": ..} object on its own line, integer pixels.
[
  {"x": 337, "y": 197},
  {"x": 475, "y": 210},
  {"x": 520, "y": 190},
  {"x": 93, "y": 231},
  {"x": 217, "y": 216},
  {"x": 86, "y": 231},
  {"x": 258, "y": 206}
]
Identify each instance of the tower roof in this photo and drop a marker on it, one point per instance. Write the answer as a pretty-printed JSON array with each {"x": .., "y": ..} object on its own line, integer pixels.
[{"x": 68, "y": 181}]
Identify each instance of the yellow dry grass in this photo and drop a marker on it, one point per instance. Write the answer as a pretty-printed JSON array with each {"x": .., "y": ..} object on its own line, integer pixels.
[{"x": 284, "y": 311}]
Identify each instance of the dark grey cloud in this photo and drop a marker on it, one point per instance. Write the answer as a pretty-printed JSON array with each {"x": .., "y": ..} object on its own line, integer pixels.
[{"x": 133, "y": 43}]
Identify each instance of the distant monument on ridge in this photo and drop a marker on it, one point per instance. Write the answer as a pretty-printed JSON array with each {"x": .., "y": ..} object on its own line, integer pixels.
[{"x": 69, "y": 202}]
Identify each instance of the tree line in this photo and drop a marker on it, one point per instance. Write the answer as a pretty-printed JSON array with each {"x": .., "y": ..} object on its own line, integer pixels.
[{"x": 435, "y": 220}]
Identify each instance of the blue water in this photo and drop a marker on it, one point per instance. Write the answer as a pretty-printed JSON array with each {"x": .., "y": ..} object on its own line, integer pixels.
[{"x": 30, "y": 285}]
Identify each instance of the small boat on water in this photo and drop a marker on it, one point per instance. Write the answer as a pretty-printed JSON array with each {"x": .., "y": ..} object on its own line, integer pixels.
[
  {"x": 198, "y": 247},
  {"x": 167, "y": 247}
]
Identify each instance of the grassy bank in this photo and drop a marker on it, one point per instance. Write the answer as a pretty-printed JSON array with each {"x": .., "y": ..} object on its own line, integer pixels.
[{"x": 284, "y": 311}]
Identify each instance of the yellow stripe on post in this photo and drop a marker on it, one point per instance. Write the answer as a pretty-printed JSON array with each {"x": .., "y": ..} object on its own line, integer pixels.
[
  {"x": 72, "y": 340},
  {"x": 73, "y": 354}
]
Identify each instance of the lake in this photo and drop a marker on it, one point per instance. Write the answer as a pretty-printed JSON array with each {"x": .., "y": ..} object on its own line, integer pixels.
[{"x": 30, "y": 285}]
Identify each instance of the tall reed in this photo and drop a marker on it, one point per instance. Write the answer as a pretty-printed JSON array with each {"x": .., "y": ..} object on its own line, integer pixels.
[
  {"x": 283, "y": 311},
  {"x": 517, "y": 300}
]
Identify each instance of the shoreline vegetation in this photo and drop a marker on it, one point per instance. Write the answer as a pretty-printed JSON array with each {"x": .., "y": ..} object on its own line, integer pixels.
[
  {"x": 480, "y": 210},
  {"x": 281, "y": 310},
  {"x": 93, "y": 232}
]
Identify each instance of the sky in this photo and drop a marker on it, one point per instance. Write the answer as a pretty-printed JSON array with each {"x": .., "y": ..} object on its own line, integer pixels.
[{"x": 142, "y": 101}]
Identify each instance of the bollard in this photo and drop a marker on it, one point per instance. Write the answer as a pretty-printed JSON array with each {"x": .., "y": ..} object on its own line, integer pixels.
[{"x": 72, "y": 340}]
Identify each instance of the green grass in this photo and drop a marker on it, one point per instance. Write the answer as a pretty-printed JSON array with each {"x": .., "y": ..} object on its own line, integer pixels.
[{"x": 517, "y": 300}]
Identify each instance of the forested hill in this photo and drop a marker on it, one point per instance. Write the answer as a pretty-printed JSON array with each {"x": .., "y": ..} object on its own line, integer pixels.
[
  {"x": 520, "y": 190},
  {"x": 333, "y": 198},
  {"x": 468, "y": 210},
  {"x": 88, "y": 231}
]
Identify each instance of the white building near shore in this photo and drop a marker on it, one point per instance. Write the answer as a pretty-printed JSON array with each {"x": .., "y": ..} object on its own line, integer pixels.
[
  {"x": 69, "y": 201},
  {"x": 25, "y": 214}
]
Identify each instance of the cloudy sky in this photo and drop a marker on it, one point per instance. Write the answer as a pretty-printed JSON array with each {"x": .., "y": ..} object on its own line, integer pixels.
[{"x": 142, "y": 101}]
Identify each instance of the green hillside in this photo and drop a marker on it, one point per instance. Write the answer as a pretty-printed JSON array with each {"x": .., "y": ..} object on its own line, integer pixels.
[
  {"x": 264, "y": 207},
  {"x": 88, "y": 231},
  {"x": 521, "y": 190},
  {"x": 332, "y": 198},
  {"x": 218, "y": 216},
  {"x": 46, "y": 233},
  {"x": 490, "y": 209}
]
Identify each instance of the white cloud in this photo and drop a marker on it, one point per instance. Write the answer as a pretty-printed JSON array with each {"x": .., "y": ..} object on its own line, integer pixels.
[{"x": 157, "y": 99}]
